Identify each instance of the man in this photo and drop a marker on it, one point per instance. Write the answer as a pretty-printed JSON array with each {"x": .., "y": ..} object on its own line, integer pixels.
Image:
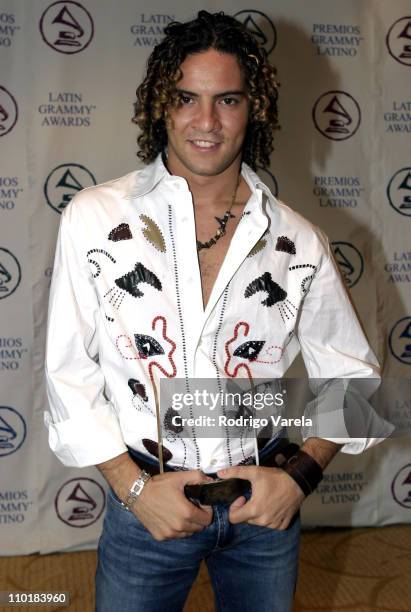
[{"x": 190, "y": 268}]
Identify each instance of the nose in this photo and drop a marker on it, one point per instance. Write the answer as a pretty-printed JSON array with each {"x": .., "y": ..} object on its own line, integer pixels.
[{"x": 207, "y": 119}]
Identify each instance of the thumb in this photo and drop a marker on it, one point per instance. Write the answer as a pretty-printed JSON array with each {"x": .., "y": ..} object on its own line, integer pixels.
[{"x": 238, "y": 503}]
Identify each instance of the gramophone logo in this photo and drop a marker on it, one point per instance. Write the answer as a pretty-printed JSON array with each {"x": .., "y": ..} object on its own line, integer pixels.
[
  {"x": 269, "y": 179},
  {"x": 401, "y": 487},
  {"x": 80, "y": 502},
  {"x": 13, "y": 430},
  {"x": 350, "y": 262},
  {"x": 399, "y": 340},
  {"x": 8, "y": 111},
  {"x": 260, "y": 26},
  {"x": 399, "y": 191},
  {"x": 399, "y": 40},
  {"x": 67, "y": 27},
  {"x": 64, "y": 182},
  {"x": 337, "y": 115},
  {"x": 10, "y": 273}
]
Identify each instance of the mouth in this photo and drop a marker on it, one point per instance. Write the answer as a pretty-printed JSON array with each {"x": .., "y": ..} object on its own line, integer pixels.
[{"x": 204, "y": 145}]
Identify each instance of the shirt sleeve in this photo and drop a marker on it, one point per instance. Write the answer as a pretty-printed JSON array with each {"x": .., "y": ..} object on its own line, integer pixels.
[
  {"x": 334, "y": 347},
  {"x": 82, "y": 424}
]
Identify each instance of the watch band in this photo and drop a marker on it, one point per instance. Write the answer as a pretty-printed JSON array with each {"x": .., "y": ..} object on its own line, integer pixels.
[
  {"x": 305, "y": 470},
  {"x": 136, "y": 489}
]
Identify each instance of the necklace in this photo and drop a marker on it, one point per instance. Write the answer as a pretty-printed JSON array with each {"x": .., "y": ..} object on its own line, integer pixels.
[{"x": 221, "y": 222}]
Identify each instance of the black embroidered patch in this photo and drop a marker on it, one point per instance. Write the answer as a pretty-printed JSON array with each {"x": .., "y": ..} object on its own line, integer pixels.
[
  {"x": 286, "y": 245},
  {"x": 152, "y": 448},
  {"x": 266, "y": 283},
  {"x": 147, "y": 346},
  {"x": 121, "y": 232},
  {"x": 137, "y": 388},
  {"x": 130, "y": 281},
  {"x": 168, "y": 421},
  {"x": 249, "y": 350}
]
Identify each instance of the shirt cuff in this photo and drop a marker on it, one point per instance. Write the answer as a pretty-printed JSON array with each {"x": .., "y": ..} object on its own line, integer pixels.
[{"x": 81, "y": 442}]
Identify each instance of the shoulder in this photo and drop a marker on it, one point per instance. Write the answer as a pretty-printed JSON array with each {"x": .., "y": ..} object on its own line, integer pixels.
[
  {"x": 96, "y": 198},
  {"x": 304, "y": 230}
]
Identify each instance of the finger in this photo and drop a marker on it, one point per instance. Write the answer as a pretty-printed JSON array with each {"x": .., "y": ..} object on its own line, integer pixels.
[
  {"x": 201, "y": 516},
  {"x": 247, "y": 472},
  {"x": 240, "y": 515},
  {"x": 239, "y": 502},
  {"x": 193, "y": 477}
]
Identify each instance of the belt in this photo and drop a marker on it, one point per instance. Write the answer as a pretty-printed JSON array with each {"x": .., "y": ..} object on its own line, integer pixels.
[{"x": 221, "y": 491}]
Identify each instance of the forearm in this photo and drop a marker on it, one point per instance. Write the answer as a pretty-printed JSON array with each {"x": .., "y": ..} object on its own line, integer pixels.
[
  {"x": 120, "y": 473},
  {"x": 321, "y": 450}
]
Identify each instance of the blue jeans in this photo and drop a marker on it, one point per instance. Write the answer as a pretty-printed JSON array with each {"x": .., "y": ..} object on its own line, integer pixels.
[{"x": 252, "y": 568}]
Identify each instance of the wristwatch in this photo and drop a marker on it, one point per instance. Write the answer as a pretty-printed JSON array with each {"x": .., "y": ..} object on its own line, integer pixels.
[{"x": 135, "y": 490}]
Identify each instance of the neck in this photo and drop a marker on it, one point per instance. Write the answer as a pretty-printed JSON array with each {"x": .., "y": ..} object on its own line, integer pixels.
[{"x": 207, "y": 189}]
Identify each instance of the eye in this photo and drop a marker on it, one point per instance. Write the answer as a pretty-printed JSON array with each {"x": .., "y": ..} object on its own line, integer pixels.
[
  {"x": 229, "y": 101},
  {"x": 147, "y": 346},
  {"x": 185, "y": 99},
  {"x": 249, "y": 350}
]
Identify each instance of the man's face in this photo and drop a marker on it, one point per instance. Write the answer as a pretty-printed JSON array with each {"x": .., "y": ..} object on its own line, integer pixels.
[{"x": 207, "y": 131}]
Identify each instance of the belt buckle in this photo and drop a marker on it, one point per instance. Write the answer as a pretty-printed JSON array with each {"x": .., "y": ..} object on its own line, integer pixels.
[{"x": 218, "y": 491}]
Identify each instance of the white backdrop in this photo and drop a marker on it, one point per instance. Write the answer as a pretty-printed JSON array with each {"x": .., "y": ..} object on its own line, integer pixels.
[{"x": 68, "y": 74}]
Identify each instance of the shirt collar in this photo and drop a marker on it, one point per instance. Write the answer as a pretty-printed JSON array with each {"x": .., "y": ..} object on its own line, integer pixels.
[{"x": 149, "y": 177}]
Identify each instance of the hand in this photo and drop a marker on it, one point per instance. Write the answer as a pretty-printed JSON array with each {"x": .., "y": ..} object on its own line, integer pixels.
[
  {"x": 275, "y": 498},
  {"x": 165, "y": 511}
]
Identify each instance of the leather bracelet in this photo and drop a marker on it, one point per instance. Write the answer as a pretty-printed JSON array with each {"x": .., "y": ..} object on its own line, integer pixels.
[
  {"x": 305, "y": 470},
  {"x": 136, "y": 489}
]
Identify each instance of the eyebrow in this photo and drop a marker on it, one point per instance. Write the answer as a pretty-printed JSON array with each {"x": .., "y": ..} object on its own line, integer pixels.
[{"x": 219, "y": 95}]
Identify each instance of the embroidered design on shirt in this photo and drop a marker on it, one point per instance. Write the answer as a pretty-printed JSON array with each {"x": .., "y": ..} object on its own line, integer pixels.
[
  {"x": 286, "y": 245},
  {"x": 152, "y": 448},
  {"x": 95, "y": 263},
  {"x": 305, "y": 283},
  {"x": 276, "y": 295},
  {"x": 257, "y": 247},
  {"x": 138, "y": 388},
  {"x": 140, "y": 399},
  {"x": 147, "y": 346},
  {"x": 129, "y": 283},
  {"x": 169, "y": 425},
  {"x": 249, "y": 352},
  {"x": 153, "y": 234},
  {"x": 121, "y": 232}
]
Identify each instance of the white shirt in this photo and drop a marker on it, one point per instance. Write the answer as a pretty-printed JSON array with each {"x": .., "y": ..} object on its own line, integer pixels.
[{"x": 126, "y": 310}]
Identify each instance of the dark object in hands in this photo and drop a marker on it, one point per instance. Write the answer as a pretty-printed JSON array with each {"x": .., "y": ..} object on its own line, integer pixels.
[{"x": 219, "y": 491}]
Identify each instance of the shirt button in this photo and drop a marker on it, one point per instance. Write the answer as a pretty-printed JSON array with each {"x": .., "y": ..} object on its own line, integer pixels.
[{"x": 213, "y": 461}]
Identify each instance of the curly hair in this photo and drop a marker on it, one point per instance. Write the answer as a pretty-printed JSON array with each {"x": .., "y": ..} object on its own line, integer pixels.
[{"x": 157, "y": 95}]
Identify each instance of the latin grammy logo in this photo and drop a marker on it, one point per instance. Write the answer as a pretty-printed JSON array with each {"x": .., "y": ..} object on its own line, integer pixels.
[
  {"x": 346, "y": 267},
  {"x": 68, "y": 181},
  {"x": 341, "y": 117},
  {"x": 5, "y": 277},
  {"x": 406, "y": 354},
  {"x": 406, "y": 185},
  {"x": 406, "y": 33},
  {"x": 86, "y": 505},
  {"x": 407, "y": 483},
  {"x": 68, "y": 37},
  {"x": 7, "y": 434},
  {"x": 3, "y": 117},
  {"x": 255, "y": 30}
]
